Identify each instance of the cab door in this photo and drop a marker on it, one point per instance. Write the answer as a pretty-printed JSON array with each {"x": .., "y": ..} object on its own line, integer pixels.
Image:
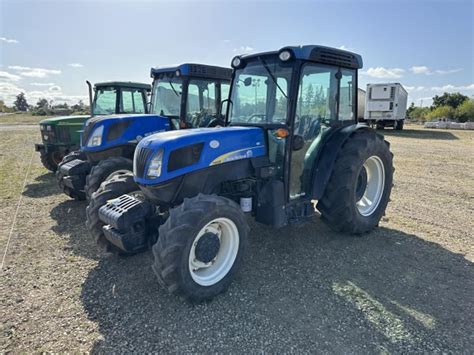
[{"x": 325, "y": 99}]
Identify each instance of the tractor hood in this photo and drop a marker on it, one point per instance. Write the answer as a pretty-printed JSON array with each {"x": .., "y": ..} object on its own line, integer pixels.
[
  {"x": 185, "y": 151},
  {"x": 118, "y": 130},
  {"x": 65, "y": 120}
]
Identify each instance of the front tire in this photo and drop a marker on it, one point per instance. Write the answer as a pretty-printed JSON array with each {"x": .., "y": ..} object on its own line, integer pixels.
[
  {"x": 51, "y": 160},
  {"x": 200, "y": 247},
  {"x": 359, "y": 189},
  {"x": 105, "y": 170},
  {"x": 109, "y": 190},
  {"x": 398, "y": 125},
  {"x": 77, "y": 195}
]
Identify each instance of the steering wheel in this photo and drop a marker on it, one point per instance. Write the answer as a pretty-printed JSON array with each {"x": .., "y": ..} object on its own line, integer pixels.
[
  {"x": 254, "y": 116},
  {"x": 216, "y": 122}
]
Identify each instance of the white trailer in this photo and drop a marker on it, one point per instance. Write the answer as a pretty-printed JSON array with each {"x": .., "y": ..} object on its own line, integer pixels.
[{"x": 386, "y": 105}]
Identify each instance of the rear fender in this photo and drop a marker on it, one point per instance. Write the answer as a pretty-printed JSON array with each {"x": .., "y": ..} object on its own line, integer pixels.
[{"x": 326, "y": 157}]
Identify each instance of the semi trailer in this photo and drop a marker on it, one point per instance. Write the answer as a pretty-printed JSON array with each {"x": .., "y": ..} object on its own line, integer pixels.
[{"x": 385, "y": 105}]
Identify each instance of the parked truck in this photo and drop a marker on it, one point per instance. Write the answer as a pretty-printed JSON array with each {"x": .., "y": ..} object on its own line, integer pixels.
[{"x": 385, "y": 105}]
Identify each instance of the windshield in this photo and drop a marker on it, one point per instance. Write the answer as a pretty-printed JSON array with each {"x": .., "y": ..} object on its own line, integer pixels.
[
  {"x": 260, "y": 91},
  {"x": 167, "y": 96},
  {"x": 105, "y": 101}
]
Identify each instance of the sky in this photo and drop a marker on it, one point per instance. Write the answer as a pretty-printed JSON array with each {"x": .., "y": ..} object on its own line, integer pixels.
[{"x": 49, "y": 48}]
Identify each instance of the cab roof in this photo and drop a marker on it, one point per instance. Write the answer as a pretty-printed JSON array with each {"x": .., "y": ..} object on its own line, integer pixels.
[
  {"x": 194, "y": 70},
  {"x": 126, "y": 84},
  {"x": 320, "y": 54}
]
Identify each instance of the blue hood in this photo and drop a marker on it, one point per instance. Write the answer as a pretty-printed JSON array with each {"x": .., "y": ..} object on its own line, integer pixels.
[
  {"x": 219, "y": 145},
  {"x": 122, "y": 129}
]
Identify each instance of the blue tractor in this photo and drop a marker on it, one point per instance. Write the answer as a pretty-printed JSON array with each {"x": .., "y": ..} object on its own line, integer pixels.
[
  {"x": 291, "y": 149},
  {"x": 187, "y": 96}
]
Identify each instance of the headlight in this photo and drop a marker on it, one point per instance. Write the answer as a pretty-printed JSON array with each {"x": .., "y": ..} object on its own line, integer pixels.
[
  {"x": 48, "y": 128},
  {"x": 96, "y": 137},
  {"x": 42, "y": 127},
  {"x": 236, "y": 62},
  {"x": 154, "y": 168}
]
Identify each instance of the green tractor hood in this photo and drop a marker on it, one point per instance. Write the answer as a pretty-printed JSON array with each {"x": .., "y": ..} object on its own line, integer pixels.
[{"x": 65, "y": 120}]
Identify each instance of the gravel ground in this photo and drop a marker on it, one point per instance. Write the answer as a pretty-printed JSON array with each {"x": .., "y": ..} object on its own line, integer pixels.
[{"x": 406, "y": 287}]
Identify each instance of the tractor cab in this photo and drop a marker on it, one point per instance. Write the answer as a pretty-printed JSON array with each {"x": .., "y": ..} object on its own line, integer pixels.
[{"x": 297, "y": 95}]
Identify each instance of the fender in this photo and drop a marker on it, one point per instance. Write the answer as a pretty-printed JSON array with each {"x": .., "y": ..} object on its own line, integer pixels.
[
  {"x": 121, "y": 130},
  {"x": 326, "y": 157},
  {"x": 186, "y": 151}
]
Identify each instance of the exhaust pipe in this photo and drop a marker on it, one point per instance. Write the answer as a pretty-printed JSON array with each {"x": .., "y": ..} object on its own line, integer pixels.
[{"x": 90, "y": 97}]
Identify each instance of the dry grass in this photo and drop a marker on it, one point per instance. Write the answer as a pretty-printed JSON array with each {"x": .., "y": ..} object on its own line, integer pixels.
[
  {"x": 406, "y": 287},
  {"x": 20, "y": 118}
]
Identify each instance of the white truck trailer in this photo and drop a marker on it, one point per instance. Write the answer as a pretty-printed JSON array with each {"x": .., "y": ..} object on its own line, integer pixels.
[{"x": 385, "y": 105}]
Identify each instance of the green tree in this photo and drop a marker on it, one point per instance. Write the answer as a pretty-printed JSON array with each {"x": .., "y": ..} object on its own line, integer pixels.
[
  {"x": 449, "y": 99},
  {"x": 410, "y": 110},
  {"x": 441, "y": 112},
  {"x": 2, "y": 106},
  {"x": 42, "y": 104},
  {"x": 465, "y": 112},
  {"x": 20, "y": 103}
]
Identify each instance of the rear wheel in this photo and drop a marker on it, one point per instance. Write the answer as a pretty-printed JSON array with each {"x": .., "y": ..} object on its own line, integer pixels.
[
  {"x": 359, "y": 188},
  {"x": 200, "y": 247},
  {"x": 51, "y": 160},
  {"x": 105, "y": 170},
  {"x": 77, "y": 195},
  {"x": 398, "y": 125},
  {"x": 109, "y": 190}
]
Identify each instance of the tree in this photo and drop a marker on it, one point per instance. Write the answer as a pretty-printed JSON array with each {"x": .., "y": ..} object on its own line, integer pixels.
[
  {"x": 2, "y": 106},
  {"x": 42, "y": 104},
  {"x": 441, "y": 112},
  {"x": 20, "y": 103},
  {"x": 465, "y": 112},
  {"x": 410, "y": 110},
  {"x": 449, "y": 99}
]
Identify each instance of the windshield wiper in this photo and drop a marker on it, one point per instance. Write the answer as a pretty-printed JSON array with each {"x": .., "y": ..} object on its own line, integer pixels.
[
  {"x": 172, "y": 87},
  {"x": 272, "y": 76}
]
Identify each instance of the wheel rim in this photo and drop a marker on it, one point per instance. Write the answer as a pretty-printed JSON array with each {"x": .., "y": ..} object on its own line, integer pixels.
[
  {"x": 374, "y": 172},
  {"x": 57, "y": 157},
  {"x": 207, "y": 272},
  {"x": 118, "y": 172}
]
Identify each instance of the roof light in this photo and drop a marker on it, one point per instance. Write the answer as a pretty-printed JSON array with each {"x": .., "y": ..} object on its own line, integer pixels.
[
  {"x": 177, "y": 72},
  {"x": 236, "y": 62},
  {"x": 284, "y": 55}
]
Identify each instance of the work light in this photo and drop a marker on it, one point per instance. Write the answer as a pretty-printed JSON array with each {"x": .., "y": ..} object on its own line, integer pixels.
[{"x": 154, "y": 168}]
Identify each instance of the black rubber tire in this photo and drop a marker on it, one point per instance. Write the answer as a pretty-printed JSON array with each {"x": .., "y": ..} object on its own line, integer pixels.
[
  {"x": 398, "y": 125},
  {"x": 77, "y": 195},
  {"x": 379, "y": 126},
  {"x": 108, "y": 190},
  {"x": 338, "y": 204},
  {"x": 48, "y": 160},
  {"x": 176, "y": 236},
  {"x": 100, "y": 172}
]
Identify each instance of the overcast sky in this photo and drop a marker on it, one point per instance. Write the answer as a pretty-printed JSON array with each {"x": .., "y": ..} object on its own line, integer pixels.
[{"x": 49, "y": 48}]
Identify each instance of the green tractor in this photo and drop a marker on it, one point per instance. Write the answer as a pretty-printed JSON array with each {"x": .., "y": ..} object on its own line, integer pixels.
[
  {"x": 62, "y": 135},
  {"x": 291, "y": 149}
]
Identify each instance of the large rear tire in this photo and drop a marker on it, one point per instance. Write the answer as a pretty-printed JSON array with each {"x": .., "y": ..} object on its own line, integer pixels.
[
  {"x": 200, "y": 247},
  {"x": 105, "y": 170},
  {"x": 108, "y": 190},
  {"x": 398, "y": 125},
  {"x": 77, "y": 195},
  {"x": 359, "y": 188}
]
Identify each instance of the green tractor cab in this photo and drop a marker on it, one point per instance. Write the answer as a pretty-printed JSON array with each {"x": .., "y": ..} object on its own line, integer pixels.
[{"x": 61, "y": 135}]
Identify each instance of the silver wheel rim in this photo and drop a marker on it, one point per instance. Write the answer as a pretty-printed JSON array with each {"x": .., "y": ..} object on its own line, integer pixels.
[
  {"x": 118, "y": 172},
  {"x": 370, "y": 200},
  {"x": 208, "y": 274}
]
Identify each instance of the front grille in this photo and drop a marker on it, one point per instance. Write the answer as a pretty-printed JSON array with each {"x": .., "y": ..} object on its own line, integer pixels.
[
  {"x": 140, "y": 159},
  {"x": 62, "y": 134}
]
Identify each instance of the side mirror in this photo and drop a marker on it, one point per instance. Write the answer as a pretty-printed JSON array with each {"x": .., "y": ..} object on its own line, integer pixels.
[
  {"x": 248, "y": 81},
  {"x": 298, "y": 142}
]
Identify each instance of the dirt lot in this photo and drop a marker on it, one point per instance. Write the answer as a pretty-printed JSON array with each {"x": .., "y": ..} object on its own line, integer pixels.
[{"x": 408, "y": 286}]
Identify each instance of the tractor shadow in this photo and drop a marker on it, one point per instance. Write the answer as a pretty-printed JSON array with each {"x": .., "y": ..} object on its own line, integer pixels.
[
  {"x": 300, "y": 289},
  {"x": 42, "y": 186},
  {"x": 70, "y": 217},
  {"x": 420, "y": 134}
]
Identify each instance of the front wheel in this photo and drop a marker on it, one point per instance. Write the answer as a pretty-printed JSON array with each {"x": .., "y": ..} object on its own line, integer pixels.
[
  {"x": 359, "y": 188},
  {"x": 51, "y": 160},
  {"x": 200, "y": 247},
  {"x": 77, "y": 195},
  {"x": 105, "y": 170}
]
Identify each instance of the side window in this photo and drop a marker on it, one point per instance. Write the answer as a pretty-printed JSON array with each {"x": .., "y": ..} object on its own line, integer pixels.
[
  {"x": 127, "y": 102},
  {"x": 346, "y": 95},
  {"x": 138, "y": 102}
]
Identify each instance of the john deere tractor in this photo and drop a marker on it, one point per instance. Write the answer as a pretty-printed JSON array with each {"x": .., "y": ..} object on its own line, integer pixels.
[
  {"x": 187, "y": 96},
  {"x": 61, "y": 135},
  {"x": 291, "y": 149}
]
